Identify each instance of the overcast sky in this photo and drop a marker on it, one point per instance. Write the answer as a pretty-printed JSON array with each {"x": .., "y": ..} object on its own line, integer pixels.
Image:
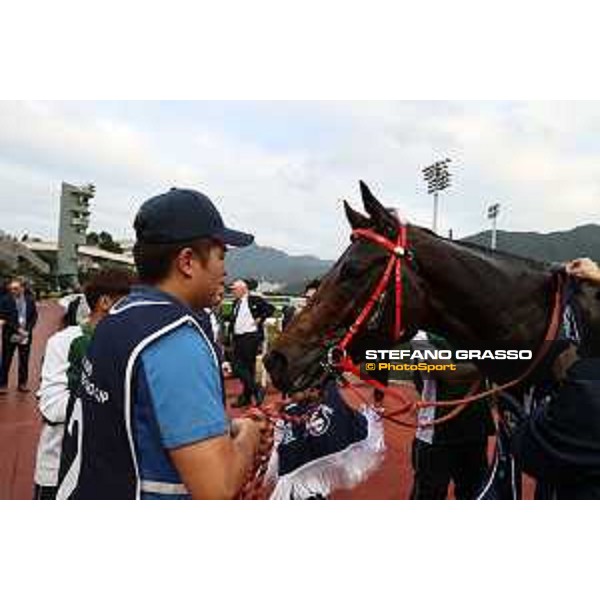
[{"x": 279, "y": 169}]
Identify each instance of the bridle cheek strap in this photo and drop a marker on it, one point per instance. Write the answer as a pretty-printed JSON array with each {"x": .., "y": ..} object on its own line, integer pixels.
[{"x": 397, "y": 252}]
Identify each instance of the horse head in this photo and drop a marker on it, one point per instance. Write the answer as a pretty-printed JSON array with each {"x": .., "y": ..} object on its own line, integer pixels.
[
  {"x": 298, "y": 358},
  {"x": 474, "y": 297}
]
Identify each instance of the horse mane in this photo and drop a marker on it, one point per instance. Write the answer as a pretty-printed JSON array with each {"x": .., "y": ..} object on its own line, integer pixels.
[
  {"x": 532, "y": 262},
  {"x": 487, "y": 252}
]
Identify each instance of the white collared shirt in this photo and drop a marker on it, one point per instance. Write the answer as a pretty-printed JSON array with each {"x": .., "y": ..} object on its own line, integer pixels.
[
  {"x": 214, "y": 324},
  {"x": 428, "y": 394},
  {"x": 244, "y": 322}
]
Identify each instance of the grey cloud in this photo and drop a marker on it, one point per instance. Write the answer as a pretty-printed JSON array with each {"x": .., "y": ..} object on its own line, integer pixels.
[{"x": 539, "y": 159}]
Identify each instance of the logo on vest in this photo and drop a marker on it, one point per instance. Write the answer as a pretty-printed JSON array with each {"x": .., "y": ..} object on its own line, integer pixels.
[
  {"x": 319, "y": 421},
  {"x": 92, "y": 390}
]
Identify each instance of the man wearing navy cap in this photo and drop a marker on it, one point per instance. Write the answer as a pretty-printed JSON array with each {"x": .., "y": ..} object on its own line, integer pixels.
[{"x": 148, "y": 419}]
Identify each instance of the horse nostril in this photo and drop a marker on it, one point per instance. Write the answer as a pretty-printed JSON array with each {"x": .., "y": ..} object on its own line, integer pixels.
[{"x": 276, "y": 363}]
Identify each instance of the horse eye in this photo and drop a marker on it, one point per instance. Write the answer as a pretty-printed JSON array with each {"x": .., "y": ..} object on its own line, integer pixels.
[{"x": 351, "y": 271}]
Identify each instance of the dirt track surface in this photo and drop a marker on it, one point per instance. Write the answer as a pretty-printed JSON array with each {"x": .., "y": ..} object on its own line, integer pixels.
[
  {"x": 19, "y": 421},
  {"x": 20, "y": 425}
]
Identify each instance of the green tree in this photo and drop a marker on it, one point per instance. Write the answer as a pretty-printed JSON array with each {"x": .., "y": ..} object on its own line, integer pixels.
[
  {"x": 92, "y": 239},
  {"x": 104, "y": 240}
]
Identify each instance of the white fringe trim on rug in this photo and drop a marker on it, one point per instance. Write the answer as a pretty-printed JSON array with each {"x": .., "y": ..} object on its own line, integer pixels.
[{"x": 343, "y": 470}]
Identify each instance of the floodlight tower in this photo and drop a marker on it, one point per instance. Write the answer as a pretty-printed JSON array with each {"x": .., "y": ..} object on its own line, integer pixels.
[
  {"x": 74, "y": 221},
  {"x": 438, "y": 179},
  {"x": 492, "y": 213}
]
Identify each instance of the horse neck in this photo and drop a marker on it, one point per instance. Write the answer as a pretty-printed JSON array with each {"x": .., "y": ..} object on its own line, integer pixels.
[{"x": 478, "y": 298}]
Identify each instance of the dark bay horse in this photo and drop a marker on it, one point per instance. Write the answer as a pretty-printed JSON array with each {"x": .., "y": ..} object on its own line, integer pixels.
[{"x": 473, "y": 297}]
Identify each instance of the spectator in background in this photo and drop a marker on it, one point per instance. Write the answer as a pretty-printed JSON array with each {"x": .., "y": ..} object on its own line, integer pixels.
[
  {"x": 76, "y": 308},
  {"x": 211, "y": 324},
  {"x": 19, "y": 315},
  {"x": 457, "y": 449},
  {"x": 78, "y": 311},
  {"x": 61, "y": 370},
  {"x": 290, "y": 310},
  {"x": 248, "y": 316}
]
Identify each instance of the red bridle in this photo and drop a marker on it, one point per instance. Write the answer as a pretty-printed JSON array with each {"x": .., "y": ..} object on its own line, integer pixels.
[
  {"x": 344, "y": 364},
  {"x": 398, "y": 251}
]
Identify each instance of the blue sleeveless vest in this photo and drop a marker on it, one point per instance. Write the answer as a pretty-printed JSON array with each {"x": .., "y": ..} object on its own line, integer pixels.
[{"x": 99, "y": 458}]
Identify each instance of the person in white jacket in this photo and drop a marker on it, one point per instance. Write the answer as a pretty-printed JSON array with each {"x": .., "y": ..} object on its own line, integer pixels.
[{"x": 60, "y": 369}]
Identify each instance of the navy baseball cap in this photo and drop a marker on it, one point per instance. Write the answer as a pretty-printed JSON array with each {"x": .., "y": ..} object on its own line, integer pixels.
[{"x": 181, "y": 215}]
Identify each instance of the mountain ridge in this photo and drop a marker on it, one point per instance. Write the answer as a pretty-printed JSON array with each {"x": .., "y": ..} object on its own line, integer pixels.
[{"x": 265, "y": 263}]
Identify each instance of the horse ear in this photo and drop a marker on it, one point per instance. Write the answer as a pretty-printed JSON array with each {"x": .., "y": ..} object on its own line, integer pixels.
[
  {"x": 373, "y": 207},
  {"x": 382, "y": 219},
  {"x": 356, "y": 220}
]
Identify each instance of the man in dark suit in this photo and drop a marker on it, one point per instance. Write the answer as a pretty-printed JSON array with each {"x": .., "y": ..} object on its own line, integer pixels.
[
  {"x": 19, "y": 316},
  {"x": 247, "y": 320}
]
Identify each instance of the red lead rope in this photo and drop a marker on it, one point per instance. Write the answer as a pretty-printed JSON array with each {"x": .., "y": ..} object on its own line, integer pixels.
[{"x": 253, "y": 487}]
